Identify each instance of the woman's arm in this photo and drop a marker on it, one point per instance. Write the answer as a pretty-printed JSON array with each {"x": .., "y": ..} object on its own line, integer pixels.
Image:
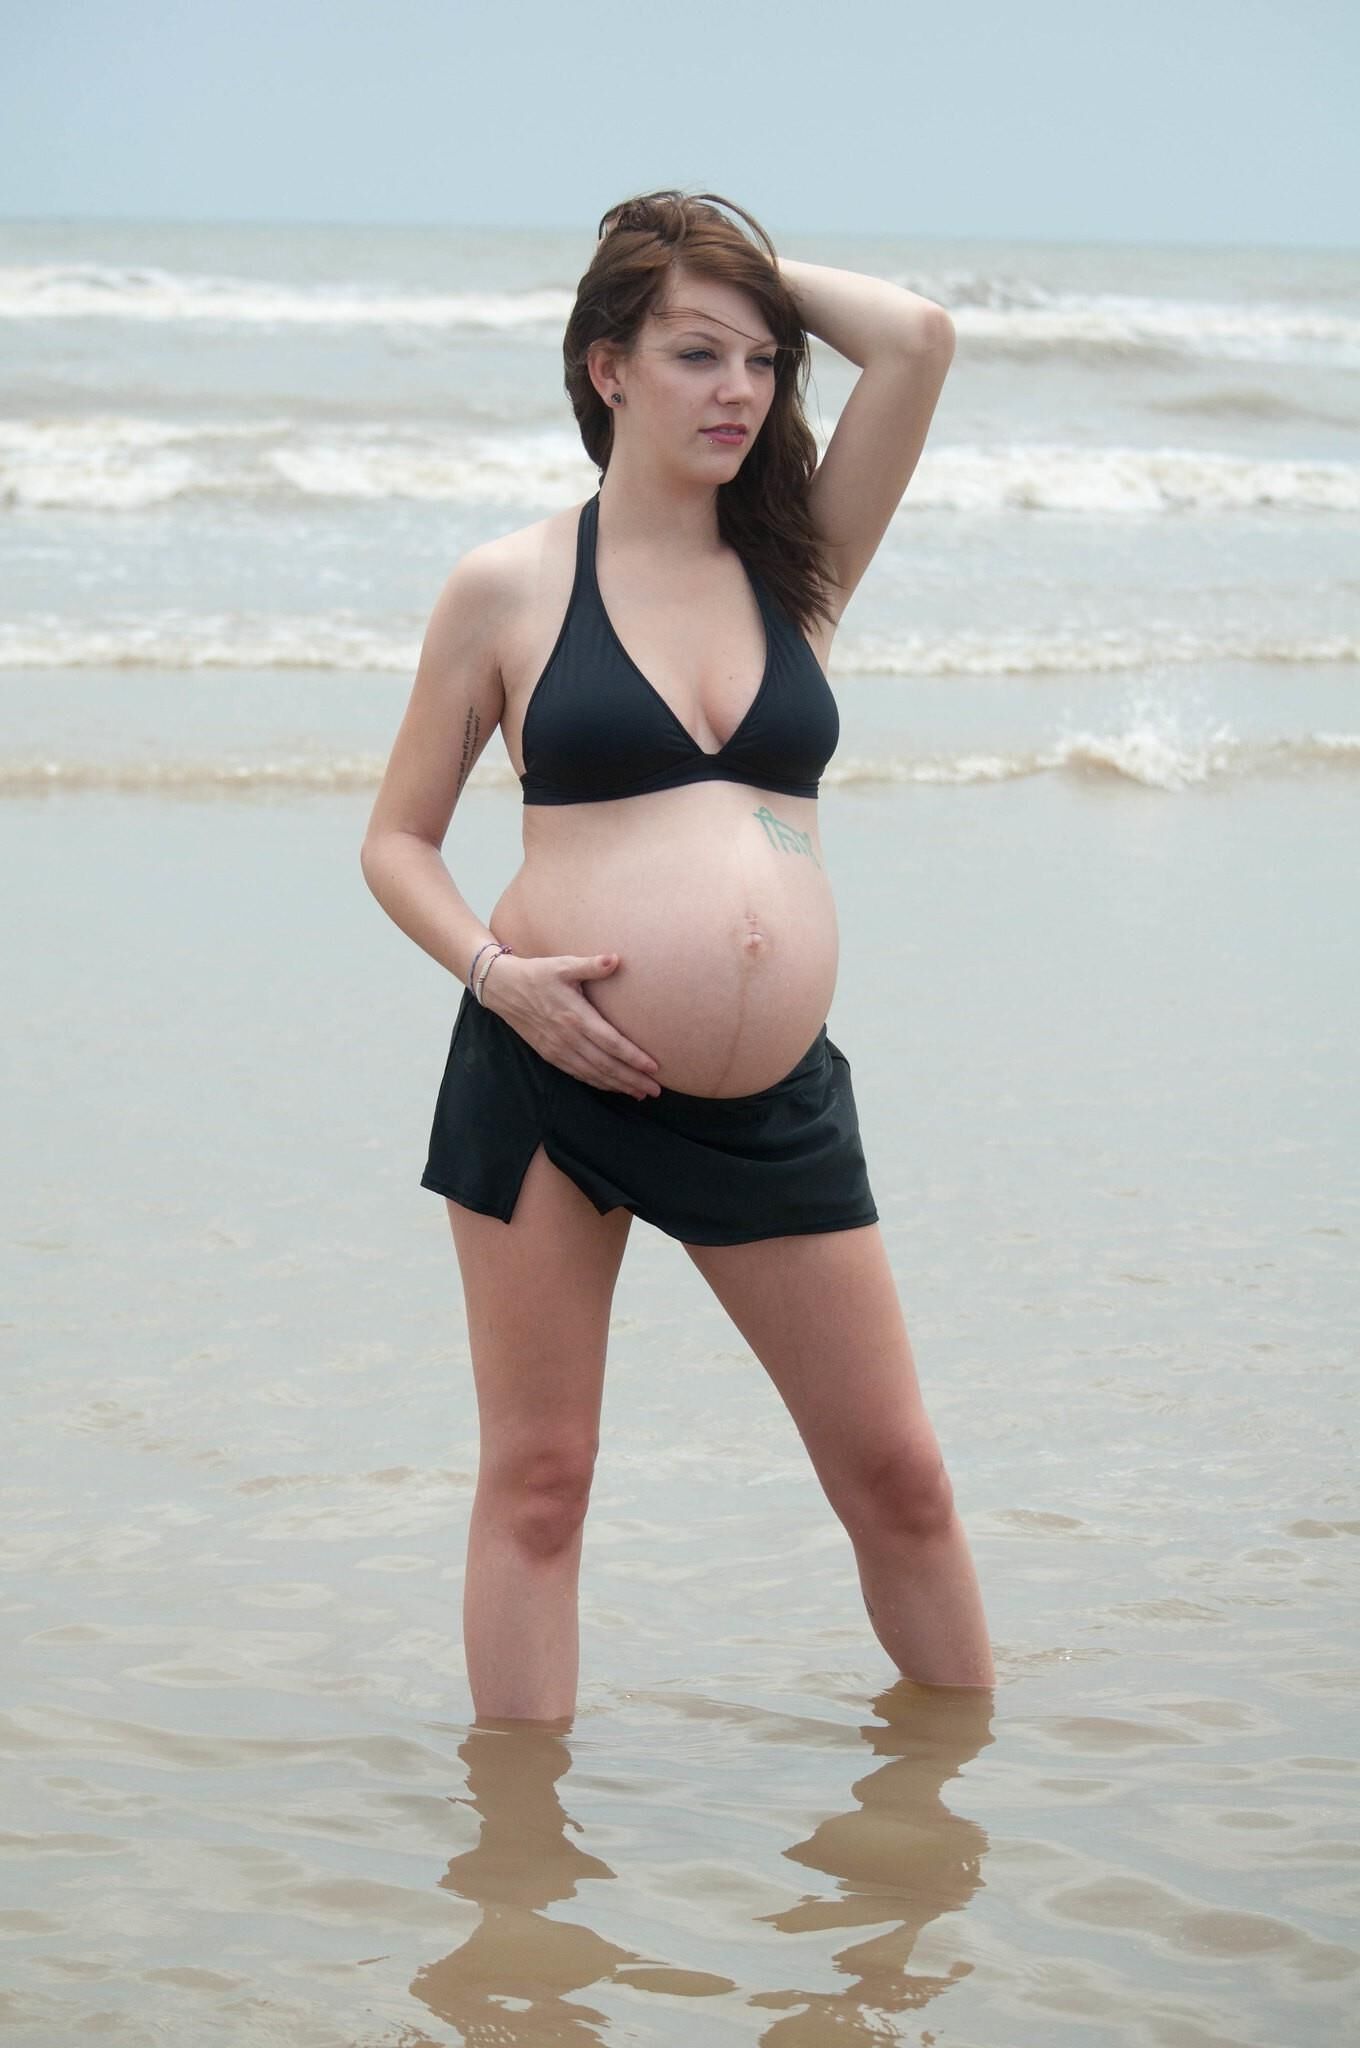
[
  {"x": 861, "y": 316},
  {"x": 457, "y": 701},
  {"x": 903, "y": 345},
  {"x": 456, "y": 704}
]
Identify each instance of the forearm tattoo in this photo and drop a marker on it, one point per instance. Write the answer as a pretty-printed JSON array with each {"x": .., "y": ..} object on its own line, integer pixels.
[{"x": 785, "y": 837}]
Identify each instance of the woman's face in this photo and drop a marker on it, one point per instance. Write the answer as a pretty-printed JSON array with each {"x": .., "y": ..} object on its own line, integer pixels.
[{"x": 704, "y": 359}]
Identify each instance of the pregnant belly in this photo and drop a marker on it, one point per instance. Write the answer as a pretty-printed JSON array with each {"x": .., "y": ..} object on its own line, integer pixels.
[{"x": 724, "y": 926}]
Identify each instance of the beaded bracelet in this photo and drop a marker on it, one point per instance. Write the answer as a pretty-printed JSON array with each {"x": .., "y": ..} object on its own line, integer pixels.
[
  {"x": 476, "y": 957},
  {"x": 481, "y": 979}
]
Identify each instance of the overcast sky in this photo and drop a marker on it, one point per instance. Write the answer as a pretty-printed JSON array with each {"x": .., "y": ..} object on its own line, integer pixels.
[{"x": 1109, "y": 120}]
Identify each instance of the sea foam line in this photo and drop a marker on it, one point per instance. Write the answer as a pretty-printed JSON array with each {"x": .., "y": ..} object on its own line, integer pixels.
[
  {"x": 147, "y": 292},
  {"x": 988, "y": 310},
  {"x": 1150, "y": 754},
  {"x": 346, "y": 643},
  {"x": 121, "y": 463}
]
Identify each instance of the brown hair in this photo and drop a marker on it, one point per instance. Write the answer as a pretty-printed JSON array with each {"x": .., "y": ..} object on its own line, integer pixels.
[{"x": 763, "y": 511}]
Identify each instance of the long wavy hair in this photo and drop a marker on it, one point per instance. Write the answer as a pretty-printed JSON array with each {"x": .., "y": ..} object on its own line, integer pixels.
[{"x": 763, "y": 512}]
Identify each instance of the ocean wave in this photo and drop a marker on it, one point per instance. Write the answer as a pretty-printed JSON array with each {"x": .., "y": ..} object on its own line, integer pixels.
[
  {"x": 171, "y": 640},
  {"x": 1044, "y": 476},
  {"x": 989, "y": 311},
  {"x": 348, "y": 643},
  {"x": 1062, "y": 651},
  {"x": 121, "y": 463},
  {"x": 188, "y": 777},
  {"x": 120, "y": 291},
  {"x": 1010, "y": 313},
  {"x": 1150, "y": 753},
  {"x": 1145, "y": 754},
  {"x": 118, "y": 463},
  {"x": 1252, "y": 403}
]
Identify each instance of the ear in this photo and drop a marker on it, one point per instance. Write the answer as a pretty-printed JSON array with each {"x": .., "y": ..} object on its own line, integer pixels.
[{"x": 602, "y": 361}]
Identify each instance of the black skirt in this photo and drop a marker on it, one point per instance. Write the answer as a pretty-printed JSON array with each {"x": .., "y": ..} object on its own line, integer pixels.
[{"x": 705, "y": 1169}]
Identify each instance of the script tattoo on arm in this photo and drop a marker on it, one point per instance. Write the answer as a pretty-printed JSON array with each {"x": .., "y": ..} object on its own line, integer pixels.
[
  {"x": 471, "y": 733},
  {"x": 786, "y": 837}
]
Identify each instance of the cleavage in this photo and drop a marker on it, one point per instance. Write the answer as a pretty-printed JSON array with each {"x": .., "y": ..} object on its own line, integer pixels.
[{"x": 744, "y": 706}]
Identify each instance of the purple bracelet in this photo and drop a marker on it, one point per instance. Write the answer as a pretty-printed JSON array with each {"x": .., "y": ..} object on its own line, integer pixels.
[
  {"x": 475, "y": 958},
  {"x": 481, "y": 984}
]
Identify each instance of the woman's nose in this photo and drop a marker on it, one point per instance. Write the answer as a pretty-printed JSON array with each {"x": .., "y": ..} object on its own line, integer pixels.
[{"x": 736, "y": 383}]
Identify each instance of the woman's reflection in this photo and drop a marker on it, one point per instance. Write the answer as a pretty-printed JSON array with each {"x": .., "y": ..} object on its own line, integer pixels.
[
  {"x": 511, "y": 1980},
  {"x": 899, "y": 1856}
]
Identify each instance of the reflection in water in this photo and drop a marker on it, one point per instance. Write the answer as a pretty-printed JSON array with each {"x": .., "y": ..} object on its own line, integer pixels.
[
  {"x": 899, "y": 1855},
  {"x": 509, "y": 1983}
]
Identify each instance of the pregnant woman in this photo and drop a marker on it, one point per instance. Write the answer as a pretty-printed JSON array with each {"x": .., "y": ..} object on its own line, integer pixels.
[{"x": 643, "y": 1026}]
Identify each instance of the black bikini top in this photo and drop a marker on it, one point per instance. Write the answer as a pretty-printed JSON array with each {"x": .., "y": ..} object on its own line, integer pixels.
[{"x": 595, "y": 728}]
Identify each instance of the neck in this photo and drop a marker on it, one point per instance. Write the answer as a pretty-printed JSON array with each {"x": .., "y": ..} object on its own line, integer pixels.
[{"x": 674, "y": 515}]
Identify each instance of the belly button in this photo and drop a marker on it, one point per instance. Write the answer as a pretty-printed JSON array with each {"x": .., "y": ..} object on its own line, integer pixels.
[{"x": 754, "y": 942}]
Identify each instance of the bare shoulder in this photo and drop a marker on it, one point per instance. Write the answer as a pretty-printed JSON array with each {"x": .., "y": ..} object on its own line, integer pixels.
[
  {"x": 508, "y": 571},
  {"x": 480, "y": 587},
  {"x": 460, "y": 693},
  {"x": 534, "y": 568},
  {"x": 515, "y": 558}
]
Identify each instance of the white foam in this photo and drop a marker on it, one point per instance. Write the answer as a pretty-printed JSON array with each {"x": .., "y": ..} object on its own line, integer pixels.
[
  {"x": 211, "y": 640},
  {"x": 104, "y": 291},
  {"x": 349, "y": 642},
  {"x": 1147, "y": 751},
  {"x": 987, "y": 310},
  {"x": 120, "y": 462},
  {"x": 469, "y": 469},
  {"x": 1139, "y": 754},
  {"x": 1020, "y": 313},
  {"x": 1040, "y": 476},
  {"x": 1062, "y": 651}
]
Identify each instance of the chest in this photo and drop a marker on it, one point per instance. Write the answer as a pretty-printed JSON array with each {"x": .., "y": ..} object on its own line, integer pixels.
[{"x": 702, "y": 648}]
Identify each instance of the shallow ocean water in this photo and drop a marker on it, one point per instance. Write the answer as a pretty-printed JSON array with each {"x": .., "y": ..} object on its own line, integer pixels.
[
  {"x": 1114, "y": 1160},
  {"x": 1092, "y": 832}
]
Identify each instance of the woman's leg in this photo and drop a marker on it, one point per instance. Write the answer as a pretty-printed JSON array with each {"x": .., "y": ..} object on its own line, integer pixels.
[
  {"x": 821, "y": 1314},
  {"x": 538, "y": 1291}
]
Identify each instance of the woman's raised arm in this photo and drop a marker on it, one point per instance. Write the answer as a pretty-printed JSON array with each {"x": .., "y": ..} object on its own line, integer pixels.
[{"x": 904, "y": 345}]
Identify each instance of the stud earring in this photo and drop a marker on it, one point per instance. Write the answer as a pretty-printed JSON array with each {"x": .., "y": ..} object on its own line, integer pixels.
[{"x": 617, "y": 397}]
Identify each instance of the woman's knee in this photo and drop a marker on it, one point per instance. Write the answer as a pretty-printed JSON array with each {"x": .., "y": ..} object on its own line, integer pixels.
[
  {"x": 538, "y": 1493},
  {"x": 897, "y": 1490}
]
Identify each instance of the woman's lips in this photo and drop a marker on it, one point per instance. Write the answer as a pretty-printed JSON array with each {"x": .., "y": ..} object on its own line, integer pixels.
[{"x": 729, "y": 434}]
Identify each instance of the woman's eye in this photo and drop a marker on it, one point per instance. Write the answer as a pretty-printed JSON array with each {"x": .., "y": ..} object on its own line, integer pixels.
[{"x": 693, "y": 354}]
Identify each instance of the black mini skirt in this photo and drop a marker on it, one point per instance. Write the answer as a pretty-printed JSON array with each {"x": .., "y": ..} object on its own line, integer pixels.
[{"x": 705, "y": 1169}]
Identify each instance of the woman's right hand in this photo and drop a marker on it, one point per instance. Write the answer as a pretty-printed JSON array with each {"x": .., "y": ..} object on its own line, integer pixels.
[{"x": 541, "y": 998}]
